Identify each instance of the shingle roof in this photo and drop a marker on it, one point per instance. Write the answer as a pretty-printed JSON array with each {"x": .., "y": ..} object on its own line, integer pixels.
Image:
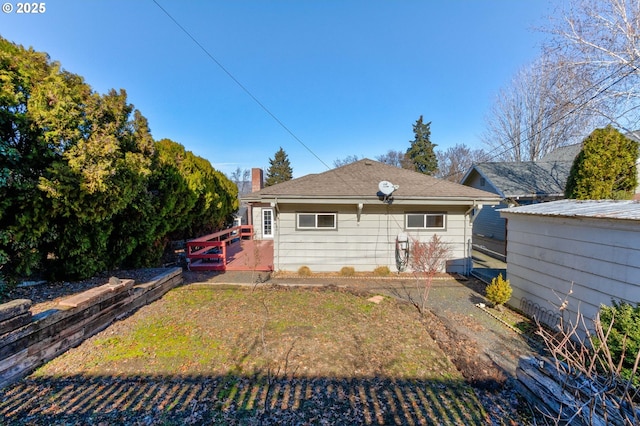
[
  {"x": 563, "y": 153},
  {"x": 603, "y": 209},
  {"x": 518, "y": 179},
  {"x": 360, "y": 180}
]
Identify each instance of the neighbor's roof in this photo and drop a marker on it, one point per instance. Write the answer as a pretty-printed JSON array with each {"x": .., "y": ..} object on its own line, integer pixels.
[
  {"x": 528, "y": 178},
  {"x": 603, "y": 209},
  {"x": 563, "y": 153},
  {"x": 360, "y": 180}
]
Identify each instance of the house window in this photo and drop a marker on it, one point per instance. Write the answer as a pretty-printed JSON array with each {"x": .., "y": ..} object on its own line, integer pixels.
[
  {"x": 317, "y": 220},
  {"x": 425, "y": 221},
  {"x": 267, "y": 223},
  {"x": 483, "y": 181}
]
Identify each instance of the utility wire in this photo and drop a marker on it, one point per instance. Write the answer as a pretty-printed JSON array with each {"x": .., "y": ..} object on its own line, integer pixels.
[
  {"x": 250, "y": 94},
  {"x": 494, "y": 154},
  {"x": 490, "y": 154},
  {"x": 572, "y": 111},
  {"x": 236, "y": 81},
  {"x": 297, "y": 139}
]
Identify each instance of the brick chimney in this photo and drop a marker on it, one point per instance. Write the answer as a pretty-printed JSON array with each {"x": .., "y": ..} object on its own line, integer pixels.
[{"x": 256, "y": 180}]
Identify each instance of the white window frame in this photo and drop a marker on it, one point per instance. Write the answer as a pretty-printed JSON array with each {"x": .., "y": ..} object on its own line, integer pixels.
[
  {"x": 271, "y": 224},
  {"x": 425, "y": 215},
  {"x": 315, "y": 225}
]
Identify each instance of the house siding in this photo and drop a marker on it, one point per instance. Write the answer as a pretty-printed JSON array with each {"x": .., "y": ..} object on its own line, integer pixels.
[
  {"x": 363, "y": 244},
  {"x": 597, "y": 260},
  {"x": 256, "y": 217}
]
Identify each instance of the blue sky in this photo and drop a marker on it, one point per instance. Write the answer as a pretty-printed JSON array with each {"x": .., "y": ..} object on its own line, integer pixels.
[{"x": 346, "y": 77}]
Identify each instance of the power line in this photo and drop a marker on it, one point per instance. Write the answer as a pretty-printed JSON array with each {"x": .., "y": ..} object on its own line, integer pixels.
[
  {"x": 237, "y": 82},
  {"x": 573, "y": 110},
  {"x": 297, "y": 139},
  {"x": 249, "y": 93}
]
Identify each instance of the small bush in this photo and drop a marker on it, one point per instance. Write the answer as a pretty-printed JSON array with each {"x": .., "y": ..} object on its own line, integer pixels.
[
  {"x": 382, "y": 271},
  {"x": 347, "y": 271},
  {"x": 499, "y": 291},
  {"x": 624, "y": 338},
  {"x": 304, "y": 271}
]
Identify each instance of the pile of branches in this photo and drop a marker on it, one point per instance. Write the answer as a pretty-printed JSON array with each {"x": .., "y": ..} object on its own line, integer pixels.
[{"x": 581, "y": 381}]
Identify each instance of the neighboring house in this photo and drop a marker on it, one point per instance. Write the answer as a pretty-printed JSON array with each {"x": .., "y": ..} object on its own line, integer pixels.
[
  {"x": 584, "y": 252},
  {"x": 341, "y": 218},
  {"x": 517, "y": 183}
]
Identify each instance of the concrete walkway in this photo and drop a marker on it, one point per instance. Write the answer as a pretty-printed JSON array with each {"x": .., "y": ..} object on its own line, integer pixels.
[{"x": 486, "y": 267}]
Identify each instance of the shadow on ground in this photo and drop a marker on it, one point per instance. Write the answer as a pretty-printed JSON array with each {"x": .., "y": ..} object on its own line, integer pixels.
[{"x": 237, "y": 400}]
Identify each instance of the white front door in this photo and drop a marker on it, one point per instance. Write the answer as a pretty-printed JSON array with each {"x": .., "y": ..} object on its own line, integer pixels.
[{"x": 267, "y": 223}]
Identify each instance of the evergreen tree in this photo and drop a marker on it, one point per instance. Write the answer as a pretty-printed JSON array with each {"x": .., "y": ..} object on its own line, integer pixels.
[
  {"x": 605, "y": 168},
  {"x": 279, "y": 169},
  {"x": 421, "y": 152},
  {"x": 83, "y": 185}
]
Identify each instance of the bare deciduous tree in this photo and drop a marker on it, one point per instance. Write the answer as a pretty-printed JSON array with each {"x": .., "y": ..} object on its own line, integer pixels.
[
  {"x": 339, "y": 162},
  {"x": 242, "y": 179},
  {"x": 396, "y": 158},
  {"x": 600, "y": 41},
  {"x": 456, "y": 160},
  {"x": 426, "y": 260},
  {"x": 537, "y": 112}
]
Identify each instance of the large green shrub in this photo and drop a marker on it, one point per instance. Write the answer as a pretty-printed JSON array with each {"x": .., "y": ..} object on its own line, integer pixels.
[
  {"x": 83, "y": 185},
  {"x": 209, "y": 197},
  {"x": 605, "y": 168},
  {"x": 40, "y": 115}
]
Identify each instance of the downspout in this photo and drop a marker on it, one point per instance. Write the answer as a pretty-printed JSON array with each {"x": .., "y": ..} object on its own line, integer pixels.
[
  {"x": 276, "y": 235},
  {"x": 465, "y": 245},
  {"x": 469, "y": 244},
  {"x": 472, "y": 216}
]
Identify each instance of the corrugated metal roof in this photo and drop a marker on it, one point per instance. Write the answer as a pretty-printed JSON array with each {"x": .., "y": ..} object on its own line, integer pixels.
[{"x": 608, "y": 209}]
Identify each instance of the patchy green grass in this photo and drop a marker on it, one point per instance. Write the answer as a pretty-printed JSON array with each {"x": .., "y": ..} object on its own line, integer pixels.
[{"x": 271, "y": 354}]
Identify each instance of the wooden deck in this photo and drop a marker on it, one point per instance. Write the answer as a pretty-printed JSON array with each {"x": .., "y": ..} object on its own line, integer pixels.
[
  {"x": 250, "y": 255},
  {"x": 233, "y": 249}
]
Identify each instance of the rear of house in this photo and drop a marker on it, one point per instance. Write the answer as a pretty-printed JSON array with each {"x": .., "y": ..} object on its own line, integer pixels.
[
  {"x": 569, "y": 256},
  {"x": 340, "y": 218}
]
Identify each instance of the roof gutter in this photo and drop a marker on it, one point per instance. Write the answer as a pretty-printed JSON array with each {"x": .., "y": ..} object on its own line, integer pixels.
[
  {"x": 473, "y": 212},
  {"x": 463, "y": 201}
]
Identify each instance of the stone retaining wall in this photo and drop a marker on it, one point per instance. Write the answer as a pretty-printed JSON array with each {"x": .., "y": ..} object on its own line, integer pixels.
[{"x": 27, "y": 341}]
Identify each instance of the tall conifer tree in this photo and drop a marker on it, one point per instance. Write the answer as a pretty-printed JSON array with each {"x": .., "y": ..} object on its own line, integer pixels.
[
  {"x": 279, "y": 169},
  {"x": 421, "y": 152}
]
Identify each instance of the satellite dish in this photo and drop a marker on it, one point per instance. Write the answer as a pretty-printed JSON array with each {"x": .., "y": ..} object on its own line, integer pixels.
[{"x": 387, "y": 187}]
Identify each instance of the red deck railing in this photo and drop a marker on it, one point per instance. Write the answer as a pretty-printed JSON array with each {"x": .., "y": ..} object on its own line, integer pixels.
[{"x": 209, "y": 252}]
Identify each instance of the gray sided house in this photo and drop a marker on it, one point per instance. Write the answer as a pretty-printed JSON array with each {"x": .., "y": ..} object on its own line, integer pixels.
[
  {"x": 584, "y": 252},
  {"x": 341, "y": 218},
  {"x": 516, "y": 183}
]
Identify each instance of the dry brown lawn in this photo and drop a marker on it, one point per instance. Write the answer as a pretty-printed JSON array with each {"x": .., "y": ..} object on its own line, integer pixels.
[{"x": 230, "y": 355}]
